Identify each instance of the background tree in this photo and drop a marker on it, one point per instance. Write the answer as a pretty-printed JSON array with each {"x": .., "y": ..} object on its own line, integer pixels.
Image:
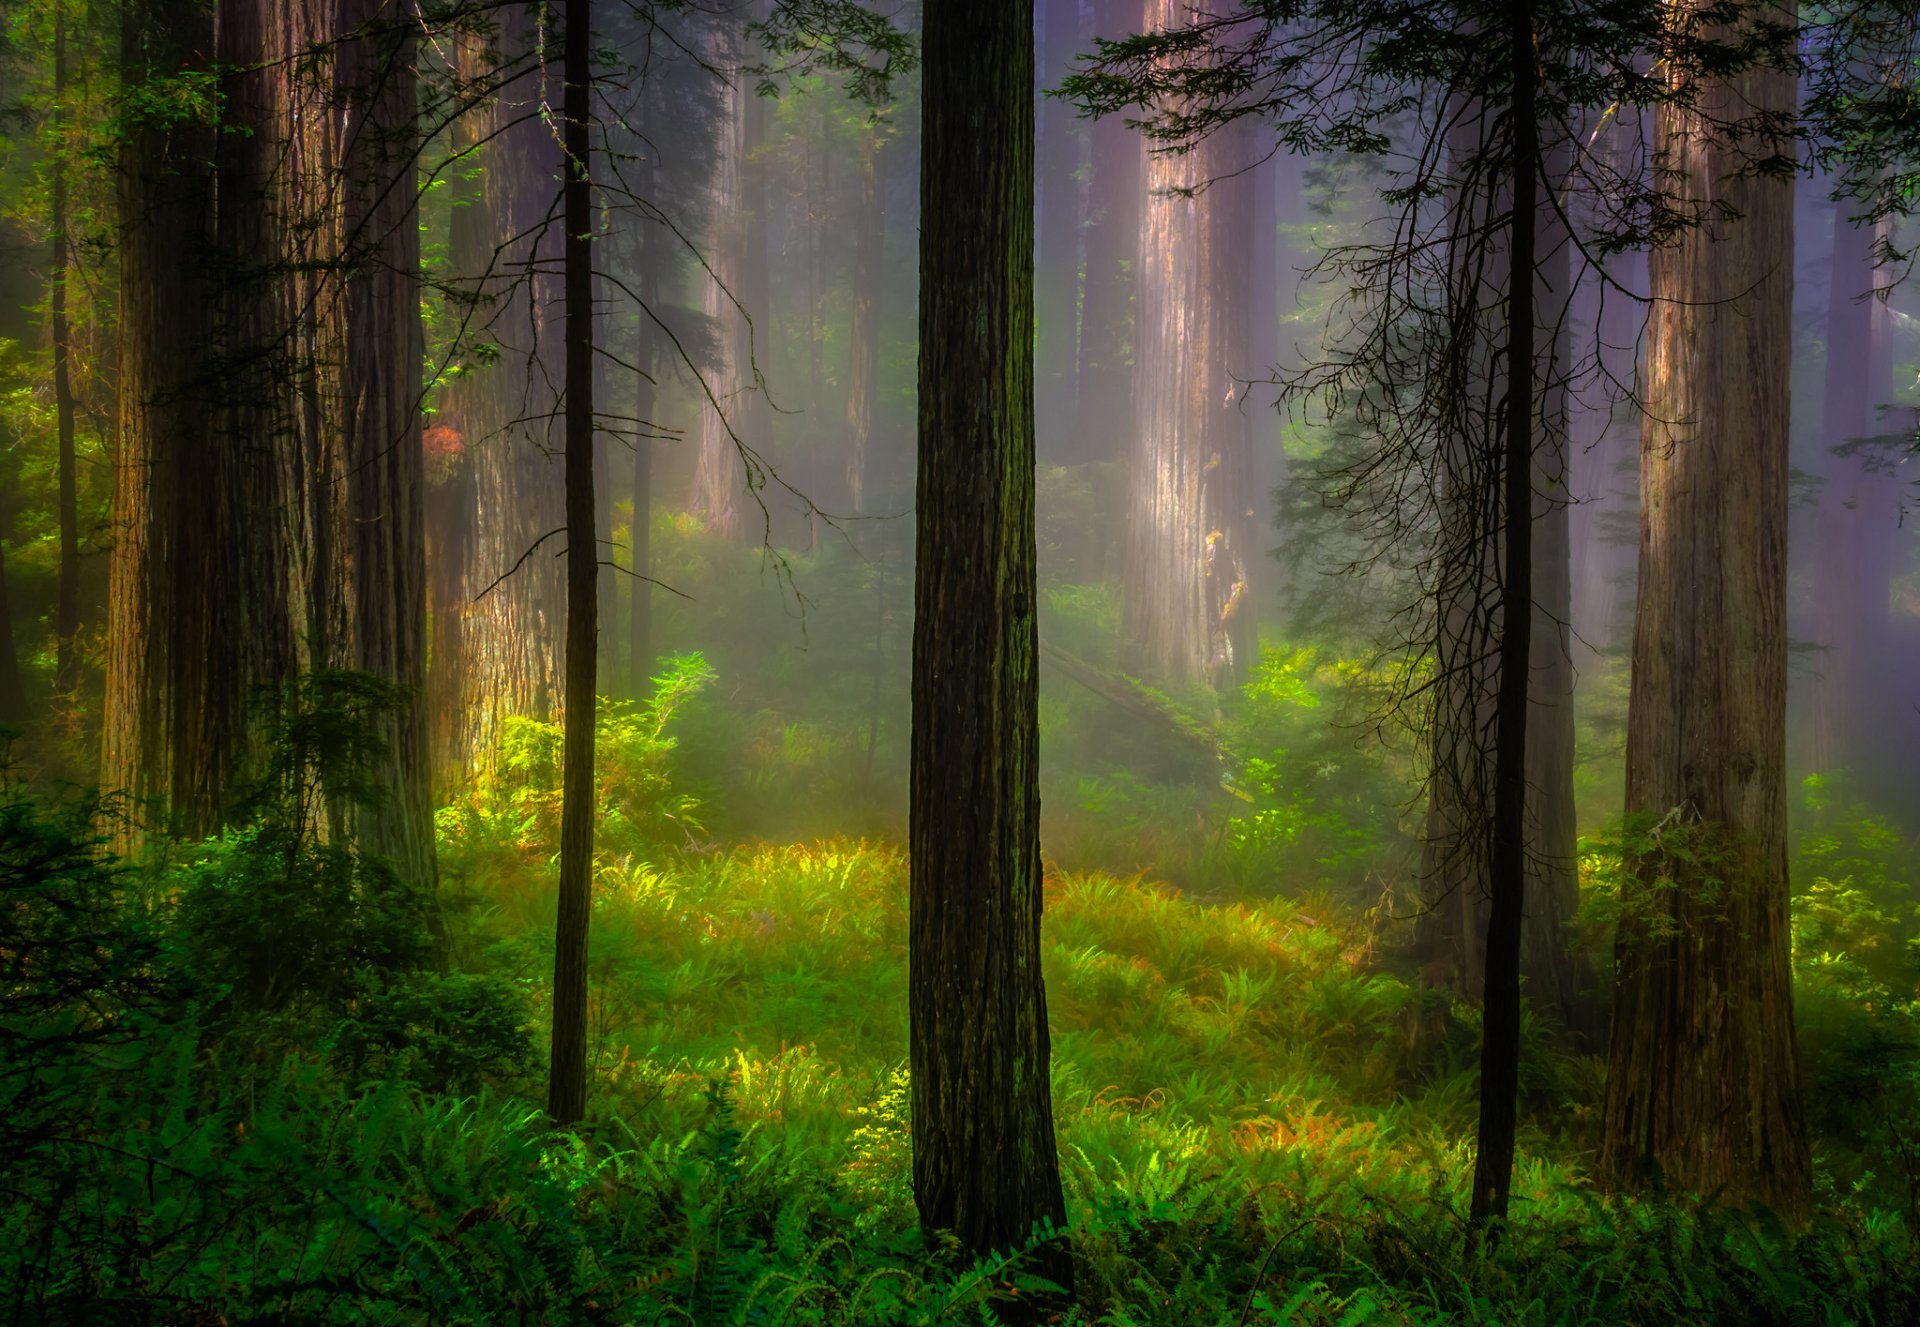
[{"x": 1703, "y": 1075}]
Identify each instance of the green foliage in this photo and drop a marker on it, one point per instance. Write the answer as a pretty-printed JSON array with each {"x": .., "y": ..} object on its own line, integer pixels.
[
  {"x": 515, "y": 800},
  {"x": 293, "y": 937}
]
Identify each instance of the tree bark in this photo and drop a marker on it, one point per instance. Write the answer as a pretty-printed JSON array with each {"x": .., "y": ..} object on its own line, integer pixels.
[
  {"x": 863, "y": 335},
  {"x": 179, "y": 666},
  {"x": 1184, "y": 602},
  {"x": 1449, "y": 934},
  {"x": 66, "y": 612},
  {"x": 567, "y": 1081},
  {"x": 984, "y": 1159},
  {"x": 13, "y": 694},
  {"x": 1507, "y": 861},
  {"x": 376, "y": 583},
  {"x": 514, "y": 588},
  {"x": 1703, "y": 1079}
]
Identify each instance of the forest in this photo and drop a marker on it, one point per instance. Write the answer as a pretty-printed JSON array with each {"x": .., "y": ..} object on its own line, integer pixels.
[{"x": 870, "y": 662}]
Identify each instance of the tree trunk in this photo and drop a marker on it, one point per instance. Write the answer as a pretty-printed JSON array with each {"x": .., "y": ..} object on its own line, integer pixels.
[
  {"x": 13, "y": 695},
  {"x": 1859, "y": 518},
  {"x": 450, "y": 505},
  {"x": 376, "y": 583},
  {"x": 720, "y": 479},
  {"x": 1703, "y": 1080},
  {"x": 1114, "y": 202},
  {"x": 160, "y": 586},
  {"x": 984, "y": 1160},
  {"x": 1184, "y": 602},
  {"x": 1449, "y": 933},
  {"x": 640, "y": 537},
  {"x": 1507, "y": 860},
  {"x": 66, "y": 612},
  {"x": 514, "y": 588},
  {"x": 863, "y": 336},
  {"x": 567, "y": 1082}
]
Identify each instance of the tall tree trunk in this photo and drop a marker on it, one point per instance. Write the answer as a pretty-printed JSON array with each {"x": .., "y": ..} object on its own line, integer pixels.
[
  {"x": 863, "y": 335},
  {"x": 1703, "y": 1080},
  {"x": 1058, "y": 150},
  {"x": 377, "y": 581},
  {"x": 450, "y": 504},
  {"x": 640, "y": 539},
  {"x": 514, "y": 589},
  {"x": 984, "y": 1159},
  {"x": 1184, "y": 601},
  {"x": 567, "y": 1082},
  {"x": 1114, "y": 202},
  {"x": 13, "y": 694},
  {"x": 720, "y": 479},
  {"x": 1450, "y": 932},
  {"x": 66, "y": 612},
  {"x": 268, "y": 501},
  {"x": 163, "y": 184},
  {"x": 1507, "y": 858},
  {"x": 1860, "y": 513}
]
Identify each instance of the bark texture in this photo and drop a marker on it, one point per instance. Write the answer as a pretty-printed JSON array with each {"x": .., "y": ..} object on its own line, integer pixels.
[
  {"x": 268, "y": 496},
  {"x": 1703, "y": 1080},
  {"x": 1185, "y": 610},
  {"x": 984, "y": 1159},
  {"x": 178, "y": 672},
  {"x": 512, "y": 586}
]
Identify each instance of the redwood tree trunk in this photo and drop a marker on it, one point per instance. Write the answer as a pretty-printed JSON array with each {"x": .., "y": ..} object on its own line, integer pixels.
[
  {"x": 378, "y": 577},
  {"x": 1703, "y": 1080},
  {"x": 1189, "y": 539},
  {"x": 863, "y": 335},
  {"x": 984, "y": 1160},
  {"x": 179, "y": 669},
  {"x": 66, "y": 612},
  {"x": 734, "y": 297},
  {"x": 514, "y": 588}
]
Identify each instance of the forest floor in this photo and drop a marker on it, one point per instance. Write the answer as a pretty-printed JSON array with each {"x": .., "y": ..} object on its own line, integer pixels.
[{"x": 1260, "y": 1121}]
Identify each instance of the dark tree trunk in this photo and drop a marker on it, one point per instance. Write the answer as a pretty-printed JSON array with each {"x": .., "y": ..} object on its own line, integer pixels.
[
  {"x": 1450, "y": 934},
  {"x": 180, "y": 667},
  {"x": 1703, "y": 1080},
  {"x": 1189, "y": 540},
  {"x": 646, "y": 361},
  {"x": 863, "y": 336},
  {"x": 66, "y": 611},
  {"x": 1114, "y": 200},
  {"x": 567, "y": 1083},
  {"x": 376, "y": 585},
  {"x": 984, "y": 1160},
  {"x": 1507, "y": 858},
  {"x": 13, "y": 695}
]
